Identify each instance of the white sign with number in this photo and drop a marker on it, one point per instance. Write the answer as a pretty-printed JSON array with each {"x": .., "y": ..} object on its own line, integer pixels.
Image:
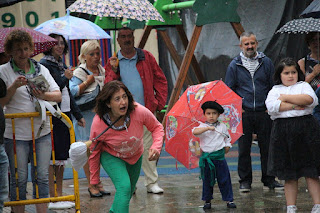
[{"x": 31, "y": 13}]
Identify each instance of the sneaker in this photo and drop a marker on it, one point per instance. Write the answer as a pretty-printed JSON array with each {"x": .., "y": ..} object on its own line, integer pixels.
[
  {"x": 207, "y": 206},
  {"x": 273, "y": 185},
  {"x": 245, "y": 187},
  {"x": 72, "y": 204},
  {"x": 154, "y": 188},
  {"x": 316, "y": 208},
  {"x": 291, "y": 209},
  {"x": 59, "y": 205},
  {"x": 231, "y": 205}
]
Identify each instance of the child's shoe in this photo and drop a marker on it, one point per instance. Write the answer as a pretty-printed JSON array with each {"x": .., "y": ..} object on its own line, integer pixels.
[
  {"x": 291, "y": 209},
  {"x": 207, "y": 205},
  {"x": 231, "y": 205},
  {"x": 316, "y": 208}
]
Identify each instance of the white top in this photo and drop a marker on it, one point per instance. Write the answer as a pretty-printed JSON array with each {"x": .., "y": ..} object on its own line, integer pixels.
[
  {"x": 20, "y": 102},
  {"x": 211, "y": 141},
  {"x": 273, "y": 103}
]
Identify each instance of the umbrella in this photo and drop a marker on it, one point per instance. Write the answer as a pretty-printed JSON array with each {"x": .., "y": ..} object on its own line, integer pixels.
[
  {"x": 131, "y": 9},
  {"x": 313, "y": 10},
  {"x": 5, "y": 3},
  {"x": 41, "y": 41},
  {"x": 187, "y": 112},
  {"x": 72, "y": 28},
  {"x": 304, "y": 25}
]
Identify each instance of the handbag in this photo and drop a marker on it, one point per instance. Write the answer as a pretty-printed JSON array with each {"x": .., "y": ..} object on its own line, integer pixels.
[{"x": 87, "y": 101}]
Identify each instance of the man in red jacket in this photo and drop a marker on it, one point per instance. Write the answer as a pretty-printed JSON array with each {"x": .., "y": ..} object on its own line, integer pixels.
[{"x": 139, "y": 71}]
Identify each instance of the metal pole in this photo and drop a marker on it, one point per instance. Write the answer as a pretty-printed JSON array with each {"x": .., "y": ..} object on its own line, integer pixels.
[{"x": 177, "y": 6}]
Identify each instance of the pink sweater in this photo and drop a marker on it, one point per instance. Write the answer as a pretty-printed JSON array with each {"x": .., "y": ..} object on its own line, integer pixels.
[{"x": 124, "y": 144}]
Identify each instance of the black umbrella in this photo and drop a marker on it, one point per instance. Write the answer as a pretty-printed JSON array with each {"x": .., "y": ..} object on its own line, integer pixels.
[
  {"x": 313, "y": 10},
  {"x": 4, "y": 3},
  {"x": 305, "y": 25}
]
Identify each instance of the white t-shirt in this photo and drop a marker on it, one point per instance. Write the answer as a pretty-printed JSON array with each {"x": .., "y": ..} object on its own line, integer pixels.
[
  {"x": 65, "y": 103},
  {"x": 211, "y": 141},
  {"x": 20, "y": 103},
  {"x": 273, "y": 103}
]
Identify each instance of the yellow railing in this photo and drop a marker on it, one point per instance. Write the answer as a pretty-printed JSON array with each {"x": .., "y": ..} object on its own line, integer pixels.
[{"x": 75, "y": 197}]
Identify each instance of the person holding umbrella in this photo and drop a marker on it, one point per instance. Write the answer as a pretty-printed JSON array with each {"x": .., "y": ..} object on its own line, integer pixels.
[
  {"x": 139, "y": 71},
  {"x": 53, "y": 61},
  {"x": 120, "y": 149},
  {"x": 21, "y": 98},
  {"x": 309, "y": 65}
]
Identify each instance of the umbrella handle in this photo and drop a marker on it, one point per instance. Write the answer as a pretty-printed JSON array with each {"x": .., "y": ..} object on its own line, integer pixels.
[{"x": 94, "y": 139}]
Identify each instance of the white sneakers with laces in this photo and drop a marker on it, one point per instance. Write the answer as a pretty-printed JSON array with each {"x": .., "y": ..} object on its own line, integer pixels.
[
  {"x": 291, "y": 209},
  {"x": 316, "y": 208},
  {"x": 154, "y": 188}
]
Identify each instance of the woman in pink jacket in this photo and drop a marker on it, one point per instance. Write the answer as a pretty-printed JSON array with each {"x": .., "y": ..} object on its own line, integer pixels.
[{"x": 120, "y": 149}]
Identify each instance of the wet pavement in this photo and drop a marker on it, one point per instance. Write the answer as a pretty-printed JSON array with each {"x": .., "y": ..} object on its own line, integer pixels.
[{"x": 182, "y": 193}]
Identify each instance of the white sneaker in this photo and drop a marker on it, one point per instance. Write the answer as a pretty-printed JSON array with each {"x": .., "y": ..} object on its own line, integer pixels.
[
  {"x": 291, "y": 209},
  {"x": 316, "y": 208},
  {"x": 154, "y": 188},
  {"x": 59, "y": 205},
  {"x": 72, "y": 204}
]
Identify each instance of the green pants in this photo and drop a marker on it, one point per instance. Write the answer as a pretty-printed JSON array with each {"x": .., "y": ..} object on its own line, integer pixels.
[{"x": 124, "y": 178}]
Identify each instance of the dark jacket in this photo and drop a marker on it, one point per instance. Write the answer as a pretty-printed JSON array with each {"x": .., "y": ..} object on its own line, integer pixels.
[
  {"x": 3, "y": 92},
  {"x": 62, "y": 81},
  {"x": 155, "y": 86},
  {"x": 254, "y": 90}
]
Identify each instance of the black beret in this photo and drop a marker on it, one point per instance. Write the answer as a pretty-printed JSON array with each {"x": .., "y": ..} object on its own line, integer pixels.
[{"x": 212, "y": 105}]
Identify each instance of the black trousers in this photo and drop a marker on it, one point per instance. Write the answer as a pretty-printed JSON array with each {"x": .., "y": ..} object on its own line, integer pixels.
[{"x": 259, "y": 123}]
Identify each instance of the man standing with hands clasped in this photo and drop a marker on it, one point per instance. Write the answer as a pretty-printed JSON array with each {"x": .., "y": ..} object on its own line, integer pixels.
[
  {"x": 250, "y": 76},
  {"x": 139, "y": 71}
]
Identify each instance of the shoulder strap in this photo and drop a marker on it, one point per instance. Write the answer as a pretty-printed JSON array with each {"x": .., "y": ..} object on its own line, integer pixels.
[
  {"x": 85, "y": 70},
  {"x": 305, "y": 63}
]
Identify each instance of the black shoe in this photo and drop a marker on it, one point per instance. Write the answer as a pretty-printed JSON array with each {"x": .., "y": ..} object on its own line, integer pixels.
[
  {"x": 245, "y": 187},
  {"x": 231, "y": 205},
  {"x": 94, "y": 195},
  {"x": 273, "y": 185},
  {"x": 207, "y": 206},
  {"x": 103, "y": 192}
]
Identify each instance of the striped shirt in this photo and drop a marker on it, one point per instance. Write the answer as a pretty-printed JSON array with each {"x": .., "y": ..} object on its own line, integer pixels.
[{"x": 250, "y": 64}]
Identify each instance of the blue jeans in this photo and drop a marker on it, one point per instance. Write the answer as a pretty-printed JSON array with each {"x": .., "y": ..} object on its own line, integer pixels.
[
  {"x": 24, "y": 153},
  {"x": 3, "y": 176}
]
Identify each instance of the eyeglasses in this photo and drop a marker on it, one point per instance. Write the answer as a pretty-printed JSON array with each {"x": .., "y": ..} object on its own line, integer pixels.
[{"x": 126, "y": 36}]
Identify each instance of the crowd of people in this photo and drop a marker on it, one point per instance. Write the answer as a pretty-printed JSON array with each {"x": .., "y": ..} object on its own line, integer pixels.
[{"x": 124, "y": 96}]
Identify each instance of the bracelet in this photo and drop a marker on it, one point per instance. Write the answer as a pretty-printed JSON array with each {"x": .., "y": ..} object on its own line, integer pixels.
[
  {"x": 85, "y": 83},
  {"x": 293, "y": 106}
]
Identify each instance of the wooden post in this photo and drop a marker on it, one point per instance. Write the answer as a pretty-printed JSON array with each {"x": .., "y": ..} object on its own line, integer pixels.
[
  {"x": 173, "y": 52},
  {"x": 237, "y": 27},
  {"x": 145, "y": 36},
  {"x": 194, "y": 62},
  {"x": 184, "y": 68}
]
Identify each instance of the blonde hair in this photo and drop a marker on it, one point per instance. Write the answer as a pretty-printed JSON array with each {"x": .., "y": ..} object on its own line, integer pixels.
[{"x": 87, "y": 47}]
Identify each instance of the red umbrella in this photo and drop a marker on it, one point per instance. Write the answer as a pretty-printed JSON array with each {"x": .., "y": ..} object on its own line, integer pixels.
[
  {"x": 41, "y": 41},
  {"x": 185, "y": 114}
]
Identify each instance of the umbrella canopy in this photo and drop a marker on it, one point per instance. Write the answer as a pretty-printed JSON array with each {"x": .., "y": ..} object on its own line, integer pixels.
[
  {"x": 41, "y": 41},
  {"x": 133, "y": 9},
  {"x": 305, "y": 25},
  {"x": 313, "y": 10},
  {"x": 4, "y": 3},
  {"x": 72, "y": 28},
  {"x": 187, "y": 112}
]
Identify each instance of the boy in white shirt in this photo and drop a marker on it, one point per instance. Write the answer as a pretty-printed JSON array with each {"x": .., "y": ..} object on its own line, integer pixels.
[{"x": 214, "y": 143}]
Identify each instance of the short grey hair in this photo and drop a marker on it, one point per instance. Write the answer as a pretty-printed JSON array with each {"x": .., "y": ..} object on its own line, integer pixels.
[{"x": 247, "y": 34}]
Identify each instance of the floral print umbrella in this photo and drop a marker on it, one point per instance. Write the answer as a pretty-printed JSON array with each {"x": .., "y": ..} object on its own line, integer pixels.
[
  {"x": 41, "y": 41},
  {"x": 141, "y": 10}
]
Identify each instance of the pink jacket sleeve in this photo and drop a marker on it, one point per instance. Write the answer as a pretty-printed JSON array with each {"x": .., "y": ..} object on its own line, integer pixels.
[{"x": 94, "y": 159}]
